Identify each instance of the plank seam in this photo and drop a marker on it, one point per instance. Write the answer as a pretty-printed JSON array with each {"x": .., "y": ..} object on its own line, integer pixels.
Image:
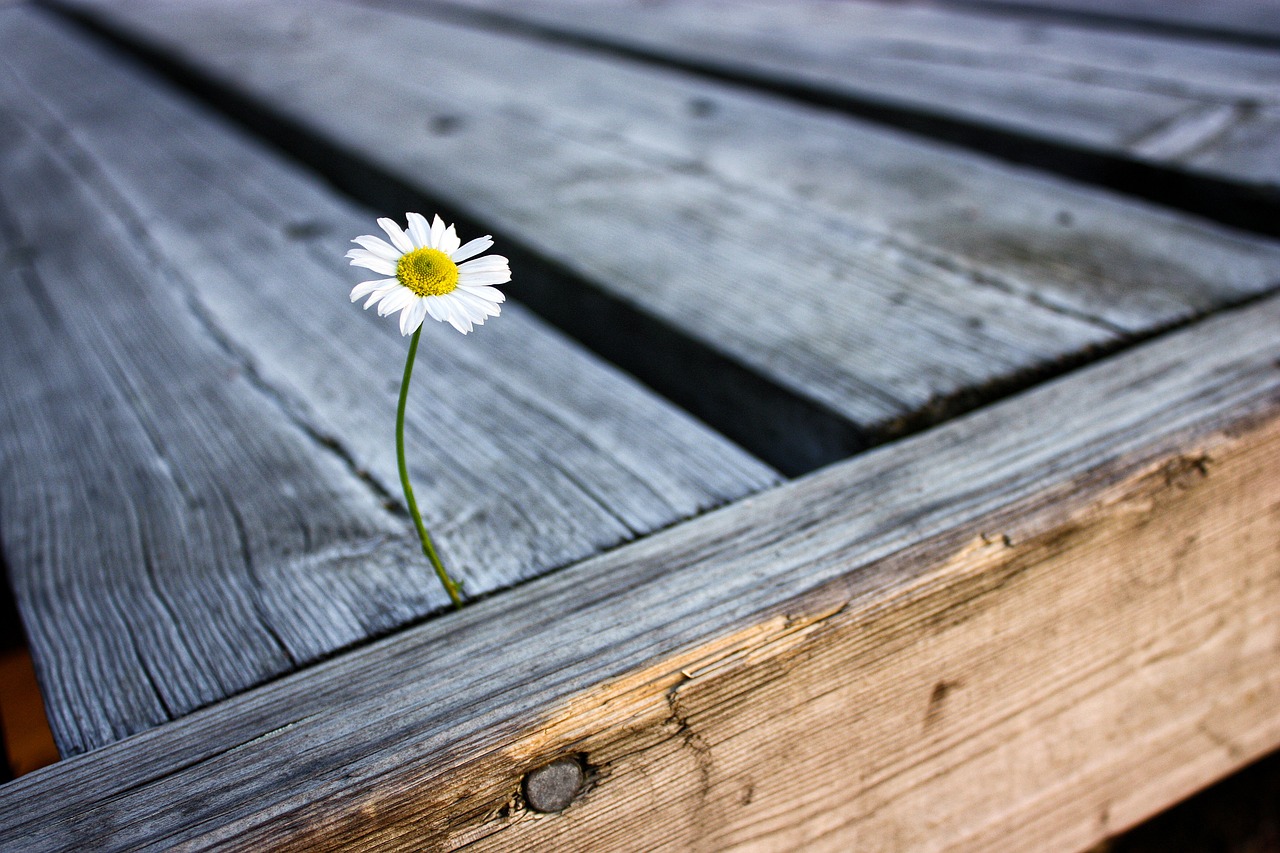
[
  {"x": 289, "y": 407},
  {"x": 1100, "y": 477},
  {"x": 82, "y": 158},
  {"x": 251, "y": 571}
]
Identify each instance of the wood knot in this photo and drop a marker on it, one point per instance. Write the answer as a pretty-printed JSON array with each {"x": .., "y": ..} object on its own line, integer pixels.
[
  {"x": 444, "y": 125},
  {"x": 1184, "y": 472},
  {"x": 936, "y": 699},
  {"x": 702, "y": 107},
  {"x": 553, "y": 787},
  {"x": 305, "y": 230}
]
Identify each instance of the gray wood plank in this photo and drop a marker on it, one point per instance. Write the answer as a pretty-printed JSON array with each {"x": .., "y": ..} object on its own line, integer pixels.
[
  {"x": 800, "y": 635},
  {"x": 1106, "y": 92},
  {"x": 197, "y": 430},
  {"x": 880, "y": 276}
]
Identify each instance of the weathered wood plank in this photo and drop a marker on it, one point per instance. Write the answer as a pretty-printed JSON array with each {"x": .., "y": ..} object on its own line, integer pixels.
[
  {"x": 1106, "y": 92},
  {"x": 921, "y": 278},
  {"x": 197, "y": 434},
  {"x": 1025, "y": 629}
]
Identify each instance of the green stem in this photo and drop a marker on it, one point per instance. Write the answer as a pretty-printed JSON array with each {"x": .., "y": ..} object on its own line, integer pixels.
[{"x": 450, "y": 585}]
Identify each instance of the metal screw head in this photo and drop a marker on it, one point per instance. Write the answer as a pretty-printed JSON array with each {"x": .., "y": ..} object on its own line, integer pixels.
[{"x": 554, "y": 787}]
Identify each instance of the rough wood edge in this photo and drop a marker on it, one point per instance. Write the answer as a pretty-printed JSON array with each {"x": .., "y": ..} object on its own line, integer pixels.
[{"x": 1035, "y": 660}]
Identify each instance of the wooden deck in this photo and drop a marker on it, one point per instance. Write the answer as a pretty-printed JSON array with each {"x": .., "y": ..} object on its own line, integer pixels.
[{"x": 880, "y": 449}]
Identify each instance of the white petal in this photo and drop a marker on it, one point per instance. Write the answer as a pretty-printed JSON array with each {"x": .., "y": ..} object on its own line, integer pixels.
[
  {"x": 379, "y": 294},
  {"x": 419, "y": 230},
  {"x": 449, "y": 242},
  {"x": 419, "y": 310},
  {"x": 455, "y": 315},
  {"x": 398, "y": 238},
  {"x": 471, "y": 249},
  {"x": 378, "y": 265},
  {"x": 366, "y": 255},
  {"x": 364, "y": 288},
  {"x": 462, "y": 308},
  {"x": 477, "y": 304},
  {"x": 378, "y": 246},
  {"x": 405, "y": 316},
  {"x": 397, "y": 300},
  {"x": 379, "y": 298},
  {"x": 488, "y": 263},
  {"x": 491, "y": 294},
  {"x": 474, "y": 314},
  {"x": 480, "y": 279},
  {"x": 437, "y": 231},
  {"x": 433, "y": 308},
  {"x": 411, "y": 317},
  {"x": 444, "y": 308}
]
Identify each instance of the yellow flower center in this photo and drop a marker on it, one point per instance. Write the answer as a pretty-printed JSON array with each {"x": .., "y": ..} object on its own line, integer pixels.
[{"x": 427, "y": 272}]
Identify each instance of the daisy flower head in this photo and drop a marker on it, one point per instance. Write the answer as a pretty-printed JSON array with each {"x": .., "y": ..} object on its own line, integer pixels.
[{"x": 431, "y": 273}]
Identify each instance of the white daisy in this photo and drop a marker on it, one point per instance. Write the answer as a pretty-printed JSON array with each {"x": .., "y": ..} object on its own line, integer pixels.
[{"x": 431, "y": 275}]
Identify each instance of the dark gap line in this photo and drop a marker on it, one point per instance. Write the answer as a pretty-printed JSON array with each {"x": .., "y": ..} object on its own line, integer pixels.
[
  {"x": 1233, "y": 815},
  {"x": 12, "y": 634},
  {"x": 1118, "y": 22},
  {"x": 794, "y": 434},
  {"x": 1237, "y": 204}
]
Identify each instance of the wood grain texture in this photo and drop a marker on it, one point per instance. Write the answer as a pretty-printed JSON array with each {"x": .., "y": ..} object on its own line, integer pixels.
[
  {"x": 197, "y": 436},
  {"x": 1042, "y": 79},
  {"x": 878, "y": 276},
  {"x": 1025, "y": 629}
]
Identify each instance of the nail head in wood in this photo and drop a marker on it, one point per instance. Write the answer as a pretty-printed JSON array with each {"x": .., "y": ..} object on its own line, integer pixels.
[{"x": 554, "y": 787}]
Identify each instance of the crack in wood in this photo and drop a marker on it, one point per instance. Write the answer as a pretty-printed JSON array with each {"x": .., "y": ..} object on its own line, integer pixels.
[
  {"x": 59, "y": 137},
  {"x": 704, "y": 762}
]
